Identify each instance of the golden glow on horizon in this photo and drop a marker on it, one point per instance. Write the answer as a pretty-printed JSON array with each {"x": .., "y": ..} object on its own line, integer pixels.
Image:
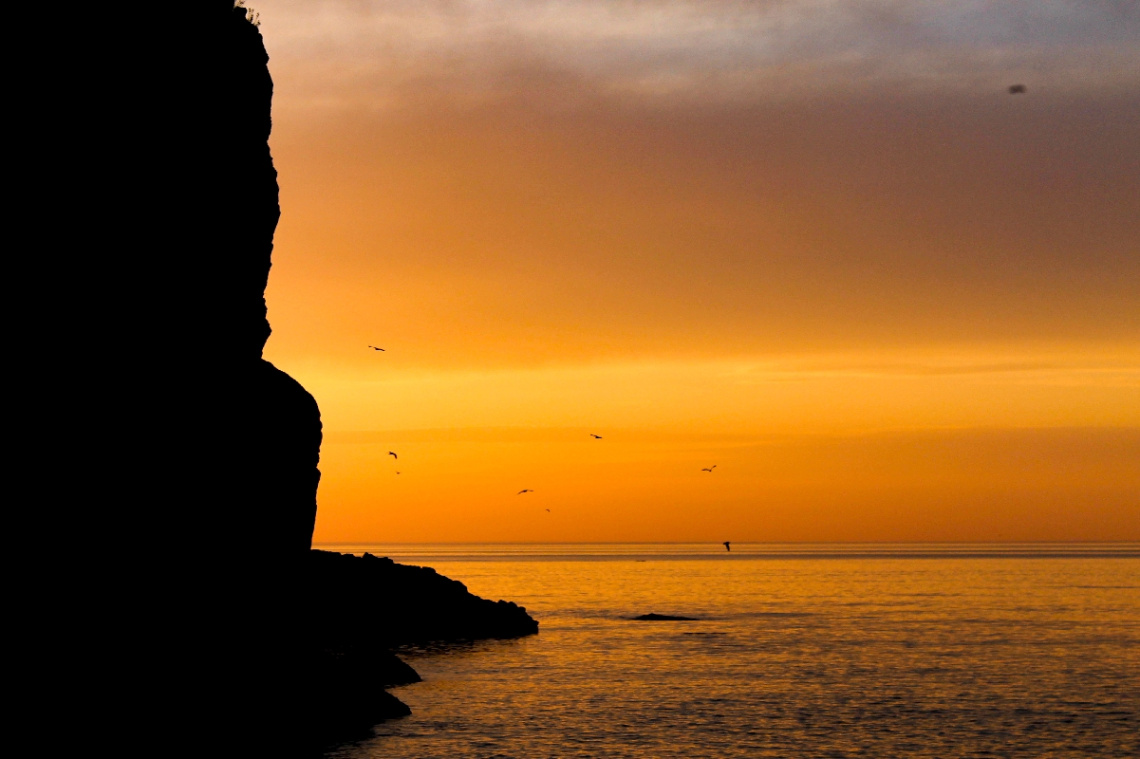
[
  {"x": 864, "y": 454},
  {"x": 889, "y": 301}
]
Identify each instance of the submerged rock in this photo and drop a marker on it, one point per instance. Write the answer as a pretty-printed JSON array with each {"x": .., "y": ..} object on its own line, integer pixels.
[{"x": 651, "y": 617}]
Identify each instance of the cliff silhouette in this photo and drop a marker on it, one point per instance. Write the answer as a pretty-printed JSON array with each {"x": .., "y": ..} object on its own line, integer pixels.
[{"x": 187, "y": 614}]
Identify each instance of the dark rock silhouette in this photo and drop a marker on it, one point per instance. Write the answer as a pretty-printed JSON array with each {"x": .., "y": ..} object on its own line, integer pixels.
[
  {"x": 362, "y": 607},
  {"x": 177, "y": 469},
  {"x": 651, "y": 617},
  {"x": 396, "y": 604}
]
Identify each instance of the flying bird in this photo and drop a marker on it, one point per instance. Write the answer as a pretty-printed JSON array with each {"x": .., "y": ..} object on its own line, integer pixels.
[
  {"x": 595, "y": 437},
  {"x": 526, "y": 490},
  {"x": 373, "y": 347},
  {"x": 393, "y": 455},
  {"x": 708, "y": 468},
  {"x": 728, "y": 545},
  {"x": 1016, "y": 89},
  {"x": 548, "y": 511}
]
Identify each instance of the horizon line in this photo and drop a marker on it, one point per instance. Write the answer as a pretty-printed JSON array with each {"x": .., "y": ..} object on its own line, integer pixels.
[{"x": 741, "y": 542}]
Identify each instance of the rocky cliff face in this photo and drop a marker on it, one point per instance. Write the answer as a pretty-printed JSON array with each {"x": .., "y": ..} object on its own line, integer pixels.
[
  {"x": 173, "y": 471},
  {"x": 201, "y": 456},
  {"x": 245, "y": 466},
  {"x": 271, "y": 447},
  {"x": 255, "y": 432},
  {"x": 178, "y": 468}
]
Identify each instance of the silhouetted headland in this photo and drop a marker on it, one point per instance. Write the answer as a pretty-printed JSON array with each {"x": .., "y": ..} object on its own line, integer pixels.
[
  {"x": 396, "y": 604},
  {"x": 186, "y": 615},
  {"x": 364, "y": 606}
]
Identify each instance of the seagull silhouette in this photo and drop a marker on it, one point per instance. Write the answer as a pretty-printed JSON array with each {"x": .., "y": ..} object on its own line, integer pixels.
[
  {"x": 526, "y": 490},
  {"x": 548, "y": 511},
  {"x": 727, "y": 545},
  {"x": 393, "y": 455},
  {"x": 373, "y": 347},
  {"x": 595, "y": 437},
  {"x": 1017, "y": 89},
  {"x": 708, "y": 468}
]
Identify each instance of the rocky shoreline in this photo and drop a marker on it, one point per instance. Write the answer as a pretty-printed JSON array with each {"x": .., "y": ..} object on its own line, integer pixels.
[{"x": 363, "y": 607}]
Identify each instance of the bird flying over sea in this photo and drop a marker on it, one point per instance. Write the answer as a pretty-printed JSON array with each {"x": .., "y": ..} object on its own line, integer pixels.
[
  {"x": 525, "y": 490},
  {"x": 373, "y": 347},
  {"x": 393, "y": 455},
  {"x": 728, "y": 545},
  {"x": 708, "y": 468},
  {"x": 1017, "y": 89},
  {"x": 595, "y": 437}
]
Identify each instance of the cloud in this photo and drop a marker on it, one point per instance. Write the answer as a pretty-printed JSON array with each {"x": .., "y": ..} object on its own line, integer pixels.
[{"x": 383, "y": 51}]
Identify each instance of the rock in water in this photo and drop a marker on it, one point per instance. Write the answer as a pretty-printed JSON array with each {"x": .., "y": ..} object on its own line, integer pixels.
[
  {"x": 651, "y": 617},
  {"x": 361, "y": 607},
  {"x": 385, "y": 604}
]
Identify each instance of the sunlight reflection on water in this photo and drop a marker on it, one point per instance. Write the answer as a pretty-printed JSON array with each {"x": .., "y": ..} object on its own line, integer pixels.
[{"x": 793, "y": 657}]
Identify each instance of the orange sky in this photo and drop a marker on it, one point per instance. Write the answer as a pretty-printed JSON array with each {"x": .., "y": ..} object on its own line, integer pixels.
[{"x": 814, "y": 243}]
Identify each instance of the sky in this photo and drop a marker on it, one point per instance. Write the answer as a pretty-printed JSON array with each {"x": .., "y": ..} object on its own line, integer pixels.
[{"x": 817, "y": 244}]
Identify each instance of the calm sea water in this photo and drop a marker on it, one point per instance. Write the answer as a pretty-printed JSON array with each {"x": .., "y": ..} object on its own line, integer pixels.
[{"x": 799, "y": 651}]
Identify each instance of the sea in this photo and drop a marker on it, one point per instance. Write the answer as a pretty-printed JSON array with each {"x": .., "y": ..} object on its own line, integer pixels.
[{"x": 796, "y": 651}]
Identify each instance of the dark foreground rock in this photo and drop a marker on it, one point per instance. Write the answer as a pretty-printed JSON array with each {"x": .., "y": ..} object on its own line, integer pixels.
[
  {"x": 364, "y": 606},
  {"x": 146, "y": 186},
  {"x": 156, "y": 203},
  {"x": 397, "y": 604},
  {"x": 663, "y": 618},
  {"x": 345, "y": 696}
]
